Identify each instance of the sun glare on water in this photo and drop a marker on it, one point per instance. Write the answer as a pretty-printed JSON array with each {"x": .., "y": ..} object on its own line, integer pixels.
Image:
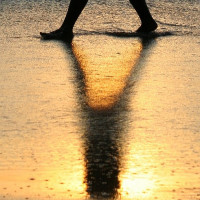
[{"x": 138, "y": 187}]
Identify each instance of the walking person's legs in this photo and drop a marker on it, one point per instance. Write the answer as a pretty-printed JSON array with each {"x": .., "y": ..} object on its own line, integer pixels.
[
  {"x": 66, "y": 30},
  {"x": 148, "y": 24}
]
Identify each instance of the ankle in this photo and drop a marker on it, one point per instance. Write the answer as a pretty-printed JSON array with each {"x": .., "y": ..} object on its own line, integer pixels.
[{"x": 66, "y": 29}]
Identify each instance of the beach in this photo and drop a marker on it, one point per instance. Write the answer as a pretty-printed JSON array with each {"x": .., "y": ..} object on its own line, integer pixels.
[{"x": 112, "y": 115}]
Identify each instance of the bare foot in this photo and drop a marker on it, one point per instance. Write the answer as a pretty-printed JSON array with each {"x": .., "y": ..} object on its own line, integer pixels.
[
  {"x": 147, "y": 27},
  {"x": 58, "y": 34}
]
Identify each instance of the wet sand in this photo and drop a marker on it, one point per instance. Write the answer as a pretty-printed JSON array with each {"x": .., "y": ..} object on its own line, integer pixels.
[
  {"x": 112, "y": 116},
  {"x": 108, "y": 117}
]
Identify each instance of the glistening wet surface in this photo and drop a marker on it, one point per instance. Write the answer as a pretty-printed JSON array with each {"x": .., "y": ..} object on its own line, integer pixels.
[
  {"x": 107, "y": 117},
  {"x": 78, "y": 125}
]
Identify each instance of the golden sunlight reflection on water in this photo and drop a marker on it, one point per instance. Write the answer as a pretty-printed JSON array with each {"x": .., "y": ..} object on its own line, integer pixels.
[
  {"x": 89, "y": 121},
  {"x": 136, "y": 187},
  {"x": 106, "y": 70}
]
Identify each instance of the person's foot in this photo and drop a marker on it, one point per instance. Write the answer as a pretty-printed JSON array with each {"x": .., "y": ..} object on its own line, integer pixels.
[
  {"x": 59, "y": 34},
  {"x": 147, "y": 27}
]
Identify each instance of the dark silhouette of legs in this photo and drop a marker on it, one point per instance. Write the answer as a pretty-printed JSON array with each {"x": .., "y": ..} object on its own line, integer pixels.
[
  {"x": 75, "y": 9},
  {"x": 148, "y": 24},
  {"x": 65, "y": 32}
]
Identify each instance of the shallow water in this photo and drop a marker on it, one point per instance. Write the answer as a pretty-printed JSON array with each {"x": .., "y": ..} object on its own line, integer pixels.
[{"x": 112, "y": 116}]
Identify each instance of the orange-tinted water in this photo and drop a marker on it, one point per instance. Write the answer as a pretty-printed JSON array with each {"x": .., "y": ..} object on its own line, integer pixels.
[{"x": 106, "y": 118}]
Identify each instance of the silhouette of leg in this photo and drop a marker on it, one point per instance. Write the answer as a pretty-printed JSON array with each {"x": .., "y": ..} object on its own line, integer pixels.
[
  {"x": 148, "y": 24},
  {"x": 65, "y": 32}
]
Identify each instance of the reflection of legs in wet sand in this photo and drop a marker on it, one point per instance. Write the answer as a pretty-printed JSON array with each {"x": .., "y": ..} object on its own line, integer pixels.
[
  {"x": 104, "y": 129},
  {"x": 65, "y": 32},
  {"x": 102, "y": 154}
]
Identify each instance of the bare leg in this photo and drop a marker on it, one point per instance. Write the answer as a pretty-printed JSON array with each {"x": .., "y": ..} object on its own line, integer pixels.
[
  {"x": 148, "y": 24},
  {"x": 65, "y": 32}
]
